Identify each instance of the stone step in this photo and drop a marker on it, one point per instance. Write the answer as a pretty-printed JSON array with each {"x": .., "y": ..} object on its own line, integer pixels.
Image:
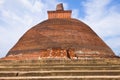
[
  {"x": 55, "y": 61},
  {"x": 60, "y": 73},
  {"x": 44, "y": 68},
  {"x": 38, "y": 65},
  {"x": 63, "y": 78},
  {"x": 72, "y": 65},
  {"x": 1, "y": 66}
]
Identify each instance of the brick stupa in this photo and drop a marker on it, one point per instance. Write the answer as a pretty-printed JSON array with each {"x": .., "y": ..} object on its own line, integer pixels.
[{"x": 60, "y": 36}]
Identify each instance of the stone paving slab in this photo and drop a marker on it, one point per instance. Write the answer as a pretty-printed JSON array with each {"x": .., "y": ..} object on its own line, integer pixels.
[
  {"x": 61, "y": 77},
  {"x": 60, "y": 71}
]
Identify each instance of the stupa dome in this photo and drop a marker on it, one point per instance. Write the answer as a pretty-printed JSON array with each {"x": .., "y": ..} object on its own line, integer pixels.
[{"x": 62, "y": 34}]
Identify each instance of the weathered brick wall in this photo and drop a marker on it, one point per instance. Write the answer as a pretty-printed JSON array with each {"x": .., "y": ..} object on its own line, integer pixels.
[
  {"x": 59, "y": 14},
  {"x": 57, "y": 54}
]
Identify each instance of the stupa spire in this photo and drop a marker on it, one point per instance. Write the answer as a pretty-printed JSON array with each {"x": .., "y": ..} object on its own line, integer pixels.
[
  {"x": 59, "y": 12},
  {"x": 60, "y": 7}
]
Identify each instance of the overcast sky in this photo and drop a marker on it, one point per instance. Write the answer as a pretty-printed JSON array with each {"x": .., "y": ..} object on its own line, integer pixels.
[{"x": 17, "y": 16}]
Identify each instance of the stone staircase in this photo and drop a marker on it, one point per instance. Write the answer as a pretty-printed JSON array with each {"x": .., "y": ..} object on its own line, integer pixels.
[{"x": 49, "y": 69}]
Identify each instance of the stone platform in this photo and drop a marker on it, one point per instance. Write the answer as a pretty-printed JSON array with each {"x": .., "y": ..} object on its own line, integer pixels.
[{"x": 60, "y": 69}]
